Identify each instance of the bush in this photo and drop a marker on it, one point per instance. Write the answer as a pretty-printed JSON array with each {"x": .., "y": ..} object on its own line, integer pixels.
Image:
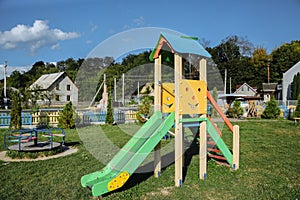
[
  {"x": 297, "y": 111},
  {"x": 236, "y": 110},
  {"x": 145, "y": 109},
  {"x": 272, "y": 110},
  {"x": 67, "y": 116},
  {"x": 16, "y": 112},
  {"x": 109, "y": 119}
]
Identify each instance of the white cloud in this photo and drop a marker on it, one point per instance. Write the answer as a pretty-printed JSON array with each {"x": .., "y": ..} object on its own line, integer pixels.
[
  {"x": 140, "y": 21},
  {"x": 55, "y": 46},
  {"x": 10, "y": 69},
  {"x": 34, "y": 37},
  {"x": 136, "y": 23}
]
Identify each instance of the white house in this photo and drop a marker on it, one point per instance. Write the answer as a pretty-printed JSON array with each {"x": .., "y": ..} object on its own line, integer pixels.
[
  {"x": 59, "y": 85},
  {"x": 246, "y": 89}
]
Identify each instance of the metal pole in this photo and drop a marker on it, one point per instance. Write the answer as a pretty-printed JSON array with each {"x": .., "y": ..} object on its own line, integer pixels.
[
  {"x": 123, "y": 89},
  {"x": 138, "y": 91},
  {"x": 225, "y": 80},
  {"x": 230, "y": 85},
  {"x": 115, "y": 88},
  {"x": 5, "y": 65}
]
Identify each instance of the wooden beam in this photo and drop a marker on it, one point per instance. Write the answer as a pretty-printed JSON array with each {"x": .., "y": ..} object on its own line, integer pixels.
[
  {"x": 236, "y": 147},
  {"x": 203, "y": 135},
  {"x": 178, "y": 125},
  {"x": 203, "y": 151},
  {"x": 202, "y": 70},
  {"x": 157, "y": 107}
]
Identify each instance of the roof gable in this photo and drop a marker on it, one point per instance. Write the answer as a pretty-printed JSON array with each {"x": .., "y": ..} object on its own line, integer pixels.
[
  {"x": 242, "y": 86},
  {"x": 46, "y": 80},
  {"x": 179, "y": 44}
]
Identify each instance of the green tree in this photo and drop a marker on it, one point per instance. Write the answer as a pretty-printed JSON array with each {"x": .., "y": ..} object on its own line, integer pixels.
[
  {"x": 297, "y": 111},
  {"x": 272, "y": 110},
  {"x": 283, "y": 58},
  {"x": 145, "y": 109},
  {"x": 67, "y": 116},
  {"x": 16, "y": 112},
  {"x": 109, "y": 119},
  {"x": 236, "y": 110}
]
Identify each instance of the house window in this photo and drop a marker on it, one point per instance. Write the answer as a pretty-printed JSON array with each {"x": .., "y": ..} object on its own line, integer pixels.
[
  {"x": 68, "y": 97},
  {"x": 68, "y": 87},
  {"x": 56, "y": 97},
  {"x": 57, "y": 87}
]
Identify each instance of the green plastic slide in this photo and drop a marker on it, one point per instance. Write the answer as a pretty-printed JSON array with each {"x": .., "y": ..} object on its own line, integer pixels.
[
  {"x": 219, "y": 142},
  {"x": 129, "y": 158}
]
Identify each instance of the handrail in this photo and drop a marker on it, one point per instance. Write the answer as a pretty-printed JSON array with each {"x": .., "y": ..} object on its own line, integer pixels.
[{"x": 222, "y": 115}]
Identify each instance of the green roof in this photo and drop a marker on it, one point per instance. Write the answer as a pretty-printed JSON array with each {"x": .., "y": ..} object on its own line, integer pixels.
[{"x": 179, "y": 44}]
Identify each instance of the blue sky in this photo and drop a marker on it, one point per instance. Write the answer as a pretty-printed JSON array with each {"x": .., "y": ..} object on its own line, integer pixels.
[{"x": 55, "y": 30}]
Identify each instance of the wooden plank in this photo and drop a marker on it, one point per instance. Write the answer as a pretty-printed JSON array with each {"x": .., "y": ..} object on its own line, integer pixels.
[
  {"x": 157, "y": 107},
  {"x": 236, "y": 147},
  {"x": 178, "y": 125}
]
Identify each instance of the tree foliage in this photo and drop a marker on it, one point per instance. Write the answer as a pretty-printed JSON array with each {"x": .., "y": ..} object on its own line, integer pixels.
[
  {"x": 16, "y": 112},
  {"x": 145, "y": 109},
  {"x": 272, "y": 110},
  {"x": 296, "y": 86},
  {"x": 109, "y": 119},
  {"x": 297, "y": 111},
  {"x": 67, "y": 117},
  {"x": 236, "y": 110}
]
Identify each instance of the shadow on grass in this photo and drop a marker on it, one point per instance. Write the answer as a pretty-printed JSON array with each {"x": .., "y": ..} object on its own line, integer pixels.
[{"x": 143, "y": 173}]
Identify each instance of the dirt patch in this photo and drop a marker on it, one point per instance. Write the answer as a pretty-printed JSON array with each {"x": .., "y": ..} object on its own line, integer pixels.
[{"x": 68, "y": 151}]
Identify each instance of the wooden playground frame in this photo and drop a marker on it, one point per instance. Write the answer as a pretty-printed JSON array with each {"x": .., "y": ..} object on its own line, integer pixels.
[{"x": 179, "y": 109}]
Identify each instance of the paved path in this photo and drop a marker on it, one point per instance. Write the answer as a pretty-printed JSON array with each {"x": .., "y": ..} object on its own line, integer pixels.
[{"x": 69, "y": 151}]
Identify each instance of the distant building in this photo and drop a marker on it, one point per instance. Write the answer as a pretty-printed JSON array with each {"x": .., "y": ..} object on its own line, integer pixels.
[
  {"x": 287, "y": 81},
  {"x": 246, "y": 89},
  {"x": 269, "y": 90},
  {"x": 59, "y": 86}
]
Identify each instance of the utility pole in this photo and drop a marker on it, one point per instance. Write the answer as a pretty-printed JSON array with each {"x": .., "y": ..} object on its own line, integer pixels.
[
  {"x": 5, "y": 66},
  {"x": 4, "y": 98},
  {"x": 268, "y": 73},
  {"x": 123, "y": 89},
  {"x": 115, "y": 89},
  {"x": 225, "y": 81}
]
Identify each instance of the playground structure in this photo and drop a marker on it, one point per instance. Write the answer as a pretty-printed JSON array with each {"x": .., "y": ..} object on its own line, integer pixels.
[
  {"x": 26, "y": 140},
  {"x": 185, "y": 104}
]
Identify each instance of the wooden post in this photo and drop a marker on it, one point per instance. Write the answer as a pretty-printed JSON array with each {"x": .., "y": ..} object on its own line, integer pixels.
[
  {"x": 203, "y": 151},
  {"x": 178, "y": 125},
  {"x": 157, "y": 107},
  {"x": 236, "y": 147},
  {"x": 203, "y": 136}
]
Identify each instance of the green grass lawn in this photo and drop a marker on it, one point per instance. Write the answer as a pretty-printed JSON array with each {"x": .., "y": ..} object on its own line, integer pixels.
[{"x": 269, "y": 169}]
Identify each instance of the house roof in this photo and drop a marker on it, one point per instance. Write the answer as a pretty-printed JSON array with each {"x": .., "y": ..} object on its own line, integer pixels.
[
  {"x": 179, "y": 44},
  {"x": 269, "y": 87},
  {"x": 46, "y": 80},
  {"x": 240, "y": 87}
]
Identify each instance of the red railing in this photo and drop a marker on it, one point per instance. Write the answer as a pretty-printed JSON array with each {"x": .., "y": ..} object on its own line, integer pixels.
[{"x": 218, "y": 109}]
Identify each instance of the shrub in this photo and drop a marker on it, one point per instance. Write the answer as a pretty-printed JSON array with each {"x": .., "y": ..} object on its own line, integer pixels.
[
  {"x": 236, "y": 110},
  {"x": 16, "y": 112},
  {"x": 109, "y": 118},
  {"x": 67, "y": 116},
  {"x": 272, "y": 110},
  {"x": 145, "y": 109},
  {"x": 297, "y": 111}
]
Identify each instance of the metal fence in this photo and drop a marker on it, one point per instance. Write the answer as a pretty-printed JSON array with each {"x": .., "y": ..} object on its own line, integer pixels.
[
  {"x": 99, "y": 117},
  {"x": 5, "y": 119}
]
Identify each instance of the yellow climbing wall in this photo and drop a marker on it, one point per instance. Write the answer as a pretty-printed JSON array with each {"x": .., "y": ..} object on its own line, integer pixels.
[
  {"x": 168, "y": 99},
  {"x": 192, "y": 97}
]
